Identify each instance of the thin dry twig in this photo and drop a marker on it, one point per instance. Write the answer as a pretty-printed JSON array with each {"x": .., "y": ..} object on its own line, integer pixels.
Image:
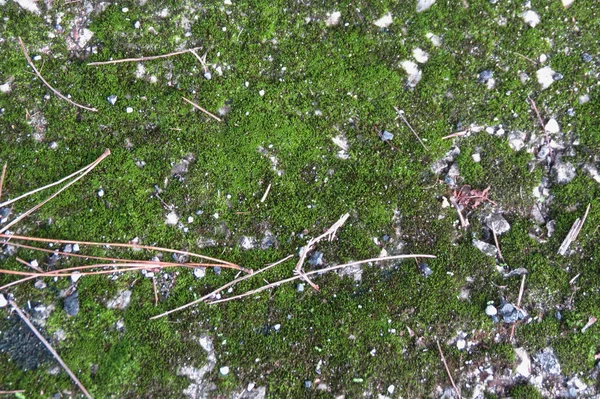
[
  {"x": 203, "y": 110},
  {"x": 512, "y": 330},
  {"x": 457, "y": 134},
  {"x": 25, "y": 319},
  {"x": 573, "y": 233},
  {"x": 215, "y": 292},
  {"x": 497, "y": 244},
  {"x": 321, "y": 271},
  {"x": 541, "y": 121},
  {"x": 12, "y": 392},
  {"x": 447, "y": 369},
  {"x": 56, "y": 92},
  {"x": 264, "y": 197},
  {"x": 401, "y": 115},
  {"x": 330, "y": 235},
  {"x": 155, "y": 291},
  {"x": 35, "y": 208},
  {"x": 464, "y": 223},
  {"x": 140, "y": 59},
  {"x": 2, "y": 178}
]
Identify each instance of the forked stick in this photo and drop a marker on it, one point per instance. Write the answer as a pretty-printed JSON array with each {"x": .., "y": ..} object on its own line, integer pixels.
[
  {"x": 56, "y": 92},
  {"x": 25, "y": 319}
]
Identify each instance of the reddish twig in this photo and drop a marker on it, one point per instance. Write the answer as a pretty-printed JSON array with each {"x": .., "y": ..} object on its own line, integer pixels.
[
  {"x": 140, "y": 59},
  {"x": 203, "y": 110}
]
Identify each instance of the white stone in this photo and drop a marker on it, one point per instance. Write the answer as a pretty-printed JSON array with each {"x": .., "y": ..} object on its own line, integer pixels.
[
  {"x": 227, "y": 2},
  {"x": 29, "y": 5},
  {"x": 423, "y": 5},
  {"x": 584, "y": 99},
  {"x": 129, "y": 110},
  {"x": 567, "y": 3},
  {"x": 552, "y": 126},
  {"x": 545, "y": 77},
  {"x": 420, "y": 55},
  {"x": 333, "y": 19},
  {"x": 224, "y": 370},
  {"x": 84, "y": 37},
  {"x": 531, "y": 18},
  {"x": 434, "y": 39},
  {"x": 461, "y": 344},
  {"x": 172, "y": 218},
  {"x": 261, "y": 93},
  {"x": 391, "y": 389},
  {"x": 199, "y": 272},
  {"x": 5, "y": 88},
  {"x": 384, "y": 21},
  {"x": 100, "y": 193},
  {"x": 3, "y": 301},
  {"x": 75, "y": 276},
  {"x": 476, "y": 157},
  {"x": 412, "y": 69},
  {"x": 543, "y": 58},
  {"x": 125, "y": 9},
  {"x": 277, "y": 327},
  {"x": 524, "y": 367}
]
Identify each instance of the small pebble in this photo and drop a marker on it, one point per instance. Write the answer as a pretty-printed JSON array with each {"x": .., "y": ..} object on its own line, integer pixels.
[
  {"x": 391, "y": 389},
  {"x": 277, "y": 327},
  {"x": 112, "y": 99},
  {"x": 207, "y": 75},
  {"x": 586, "y": 57},
  {"x": 71, "y": 304},
  {"x": 261, "y": 93},
  {"x": 224, "y": 370},
  {"x": 476, "y": 157},
  {"x": 307, "y": 384},
  {"x": 386, "y": 136},
  {"x": 40, "y": 285},
  {"x": 461, "y": 344},
  {"x": 484, "y": 76},
  {"x": 300, "y": 287},
  {"x": 129, "y": 110},
  {"x": 100, "y": 193},
  {"x": 3, "y": 301},
  {"x": 491, "y": 310},
  {"x": 425, "y": 270},
  {"x": 75, "y": 276}
]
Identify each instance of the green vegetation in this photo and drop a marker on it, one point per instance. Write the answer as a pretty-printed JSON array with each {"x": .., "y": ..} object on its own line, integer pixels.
[{"x": 319, "y": 82}]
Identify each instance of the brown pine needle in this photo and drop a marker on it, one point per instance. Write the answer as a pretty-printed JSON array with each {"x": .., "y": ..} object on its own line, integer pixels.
[
  {"x": 447, "y": 369},
  {"x": 141, "y": 59},
  {"x": 155, "y": 291},
  {"x": 2, "y": 178},
  {"x": 35, "y": 208},
  {"x": 203, "y": 110},
  {"x": 321, "y": 271},
  {"x": 401, "y": 115},
  {"x": 497, "y": 244},
  {"x": 12, "y": 392},
  {"x": 215, "y": 292},
  {"x": 222, "y": 263},
  {"x": 25, "y": 319},
  {"x": 457, "y": 134},
  {"x": 56, "y": 92}
]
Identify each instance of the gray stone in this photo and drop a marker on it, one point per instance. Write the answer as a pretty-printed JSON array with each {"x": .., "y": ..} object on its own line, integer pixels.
[
  {"x": 484, "y": 76},
  {"x": 586, "y": 57},
  {"x": 120, "y": 301},
  {"x": 112, "y": 99},
  {"x": 486, "y": 248},
  {"x": 386, "y": 136},
  {"x": 563, "y": 172},
  {"x": 439, "y": 167},
  {"x": 71, "y": 304},
  {"x": 497, "y": 223},
  {"x": 316, "y": 259},
  {"x": 547, "y": 360},
  {"x": 516, "y": 140},
  {"x": 425, "y": 270}
]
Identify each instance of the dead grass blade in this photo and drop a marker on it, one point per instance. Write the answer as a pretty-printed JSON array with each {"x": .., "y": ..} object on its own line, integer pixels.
[
  {"x": 203, "y": 110},
  {"x": 573, "y": 233},
  {"x": 447, "y": 369},
  {"x": 215, "y": 292},
  {"x": 56, "y": 92},
  {"x": 35, "y": 208},
  {"x": 141, "y": 59},
  {"x": 25, "y": 319},
  {"x": 2, "y": 178},
  {"x": 321, "y": 271},
  {"x": 401, "y": 115}
]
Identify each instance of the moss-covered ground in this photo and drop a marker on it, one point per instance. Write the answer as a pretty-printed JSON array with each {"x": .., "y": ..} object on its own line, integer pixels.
[{"x": 319, "y": 82}]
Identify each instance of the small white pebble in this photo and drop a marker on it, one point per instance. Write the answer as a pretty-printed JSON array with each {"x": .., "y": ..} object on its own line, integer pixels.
[
  {"x": 384, "y": 21},
  {"x": 461, "y": 344},
  {"x": 125, "y": 9},
  {"x": 531, "y": 18},
  {"x": 172, "y": 218},
  {"x": 136, "y": 25},
  {"x": 251, "y": 386},
  {"x": 543, "y": 58},
  {"x": 262, "y": 93},
  {"x": 190, "y": 219},
  {"x": 34, "y": 263},
  {"x": 420, "y": 55},
  {"x": 391, "y": 389},
  {"x": 129, "y": 110},
  {"x": 584, "y": 99},
  {"x": 276, "y": 327},
  {"x": 37, "y": 57},
  {"x": 100, "y": 193},
  {"x": 224, "y": 370},
  {"x": 227, "y": 2},
  {"x": 434, "y": 39},
  {"x": 75, "y": 276},
  {"x": 552, "y": 126},
  {"x": 3, "y": 301},
  {"x": 476, "y": 157}
]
